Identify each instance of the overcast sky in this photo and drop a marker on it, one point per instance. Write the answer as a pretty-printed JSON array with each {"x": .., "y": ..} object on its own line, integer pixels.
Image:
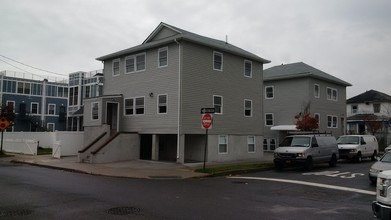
[{"x": 349, "y": 39}]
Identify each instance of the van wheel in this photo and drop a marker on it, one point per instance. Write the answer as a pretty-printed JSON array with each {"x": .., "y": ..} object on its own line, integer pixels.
[
  {"x": 333, "y": 161},
  {"x": 359, "y": 157},
  {"x": 373, "y": 158},
  {"x": 308, "y": 164},
  {"x": 278, "y": 165}
]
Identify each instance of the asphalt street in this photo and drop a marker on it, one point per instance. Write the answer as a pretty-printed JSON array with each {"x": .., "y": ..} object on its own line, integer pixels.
[{"x": 30, "y": 192}]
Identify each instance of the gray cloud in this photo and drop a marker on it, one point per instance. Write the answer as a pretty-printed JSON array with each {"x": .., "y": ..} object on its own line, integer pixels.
[{"x": 349, "y": 39}]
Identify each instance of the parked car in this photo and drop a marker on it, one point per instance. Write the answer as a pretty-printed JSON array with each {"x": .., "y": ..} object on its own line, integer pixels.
[
  {"x": 306, "y": 150},
  {"x": 357, "y": 147},
  {"x": 384, "y": 163}
]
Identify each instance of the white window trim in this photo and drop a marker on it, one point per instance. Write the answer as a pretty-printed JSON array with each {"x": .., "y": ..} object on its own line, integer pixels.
[
  {"x": 332, "y": 120},
  {"x": 158, "y": 57},
  {"x": 331, "y": 98},
  {"x": 248, "y": 143},
  {"x": 125, "y": 107},
  {"x": 317, "y": 95},
  {"x": 31, "y": 108},
  {"x": 54, "y": 126},
  {"x": 251, "y": 72},
  {"x": 318, "y": 114},
  {"x": 51, "y": 104},
  {"x": 134, "y": 105},
  {"x": 164, "y": 113},
  {"x": 272, "y": 114},
  {"x": 134, "y": 63},
  {"x": 13, "y": 104},
  {"x": 145, "y": 60},
  {"x": 222, "y": 104},
  {"x": 266, "y": 87},
  {"x": 218, "y": 147},
  {"x": 251, "y": 108},
  {"x": 112, "y": 67},
  {"x": 92, "y": 109},
  {"x": 222, "y": 61}
]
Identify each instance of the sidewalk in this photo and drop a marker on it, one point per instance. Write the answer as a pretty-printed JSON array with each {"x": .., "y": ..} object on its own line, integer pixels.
[{"x": 134, "y": 169}]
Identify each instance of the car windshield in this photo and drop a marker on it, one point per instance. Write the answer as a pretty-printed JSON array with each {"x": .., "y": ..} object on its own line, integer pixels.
[
  {"x": 348, "y": 140},
  {"x": 296, "y": 142},
  {"x": 386, "y": 158}
]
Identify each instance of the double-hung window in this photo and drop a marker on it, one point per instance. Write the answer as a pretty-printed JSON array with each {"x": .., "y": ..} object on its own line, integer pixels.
[
  {"x": 316, "y": 91},
  {"x": 354, "y": 109},
  {"x": 218, "y": 104},
  {"x": 134, "y": 106},
  {"x": 269, "y": 92},
  {"x": 269, "y": 120},
  {"x": 248, "y": 70},
  {"x": 52, "y": 109},
  {"x": 248, "y": 106},
  {"x": 162, "y": 104},
  {"x": 332, "y": 121},
  {"x": 116, "y": 67},
  {"x": 251, "y": 144},
  {"x": 135, "y": 63},
  {"x": 217, "y": 61},
  {"x": 34, "y": 108},
  {"x": 129, "y": 64},
  {"x": 163, "y": 57},
  {"x": 223, "y": 144},
  {"x": 332, "y": 94}
]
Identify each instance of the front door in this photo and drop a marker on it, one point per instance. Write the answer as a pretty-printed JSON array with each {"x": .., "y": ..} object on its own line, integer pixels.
[{"x": 113, "y": 115}]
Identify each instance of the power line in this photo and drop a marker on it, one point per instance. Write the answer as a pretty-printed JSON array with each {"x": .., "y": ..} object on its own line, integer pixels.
[
  {"x": 30, "y": 66},
  {"x": 16, "y": 67}
]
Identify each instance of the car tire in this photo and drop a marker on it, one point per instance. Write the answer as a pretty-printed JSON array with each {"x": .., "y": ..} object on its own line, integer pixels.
[
  {"x": 278, "y": 165},
  {"x": 308, "y": 164},
  {"x": 333, "y": 161},
  {"x": 373, "y": 158},
  {"x": 359, "y": 157}
]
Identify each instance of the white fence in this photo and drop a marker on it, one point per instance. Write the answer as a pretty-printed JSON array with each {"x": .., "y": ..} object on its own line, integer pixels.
[{"x": 63, "y": 143}]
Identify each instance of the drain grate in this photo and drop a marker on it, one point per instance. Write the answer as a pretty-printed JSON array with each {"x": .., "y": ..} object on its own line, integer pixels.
[
  {"x": 15, "y": 212},
  {"x": 124, "y": 211}
]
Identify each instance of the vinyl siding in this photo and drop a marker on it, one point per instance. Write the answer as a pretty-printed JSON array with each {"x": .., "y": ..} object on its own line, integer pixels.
[
  {"x": 140, "y": 84},
  {"x": 200, "y": 82}
]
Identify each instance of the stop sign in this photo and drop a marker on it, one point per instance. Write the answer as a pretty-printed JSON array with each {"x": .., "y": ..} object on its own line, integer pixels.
[{"x": 207, "y": 121}]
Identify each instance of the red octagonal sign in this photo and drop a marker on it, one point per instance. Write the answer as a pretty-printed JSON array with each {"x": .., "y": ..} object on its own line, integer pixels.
[{"x": 207, "y": 121}]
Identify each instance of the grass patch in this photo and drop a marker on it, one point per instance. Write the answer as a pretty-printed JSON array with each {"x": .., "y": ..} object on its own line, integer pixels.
[
  {"x": 235, "y": 168},
  {"x": 44, "y": 151}
]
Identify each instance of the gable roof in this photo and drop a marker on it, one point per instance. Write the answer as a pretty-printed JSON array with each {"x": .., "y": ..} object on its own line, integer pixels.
[
  {"x": 370, "y": 96},
  {"x": 179, "y": 35},
  {"x": 299, "y": 70}
]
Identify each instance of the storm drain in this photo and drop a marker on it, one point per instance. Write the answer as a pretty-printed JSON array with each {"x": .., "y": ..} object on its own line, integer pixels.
[
  {"x": 14, "y": 212},
  {"x": 124, "y": 211}
]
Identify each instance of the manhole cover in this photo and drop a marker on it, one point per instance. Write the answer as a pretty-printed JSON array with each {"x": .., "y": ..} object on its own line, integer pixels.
[
  {"x": 15, "y": 212},
  {"x": 124, "y": 211}
]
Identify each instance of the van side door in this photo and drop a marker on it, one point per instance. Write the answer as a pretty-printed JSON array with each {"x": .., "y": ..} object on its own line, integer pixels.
[{"x": 316, "y": 150}]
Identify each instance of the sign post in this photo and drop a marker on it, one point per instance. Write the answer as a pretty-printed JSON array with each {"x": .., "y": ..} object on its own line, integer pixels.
[{"x": 207, "y": 123}]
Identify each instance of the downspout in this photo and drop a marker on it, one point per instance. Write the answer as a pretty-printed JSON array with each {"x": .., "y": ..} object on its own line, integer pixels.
[
  {"x": 179, "y": 100},
  {"x": 43, "y": 101}
]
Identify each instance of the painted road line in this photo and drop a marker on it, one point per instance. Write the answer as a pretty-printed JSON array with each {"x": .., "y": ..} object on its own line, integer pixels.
[{"x": 307, "y": 184}]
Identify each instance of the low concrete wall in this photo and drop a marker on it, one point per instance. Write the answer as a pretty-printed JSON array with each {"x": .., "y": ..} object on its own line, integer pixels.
[{"x": 123, "y": 147}]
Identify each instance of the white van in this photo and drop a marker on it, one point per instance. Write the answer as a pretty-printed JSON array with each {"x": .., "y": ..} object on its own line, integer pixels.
[
  {"x": 306, "y": 150},
  {"x": 357, "y": 147}
]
